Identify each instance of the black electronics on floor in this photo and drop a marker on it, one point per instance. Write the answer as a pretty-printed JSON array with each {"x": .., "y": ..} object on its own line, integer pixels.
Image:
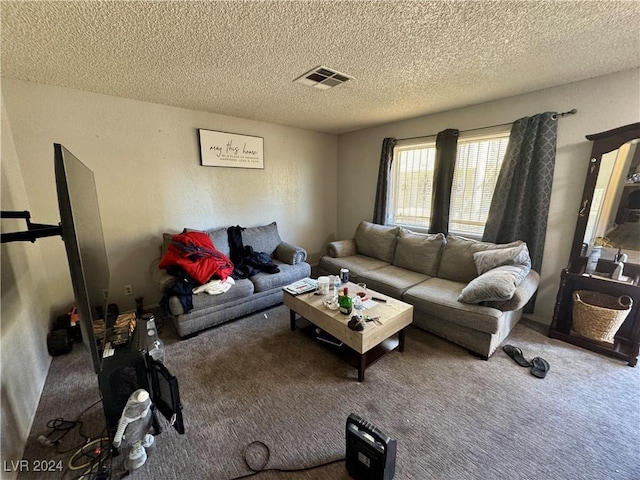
[
  {"x": 63, "y": 322},
  {"x": 371, "y": 454},
  {"x": 121, "y": 375},
  {"x": 58, "y": 342},
  {"x": 129, "y": 367}
]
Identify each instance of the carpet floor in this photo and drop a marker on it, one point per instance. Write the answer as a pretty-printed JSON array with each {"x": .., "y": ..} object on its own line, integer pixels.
[{"x": 453, "y": 415}]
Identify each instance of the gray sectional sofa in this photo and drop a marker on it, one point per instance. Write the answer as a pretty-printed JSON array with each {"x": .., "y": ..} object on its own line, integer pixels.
[
  {"x": 440, "y": 277},
  {"x": 247, "y": 295}
]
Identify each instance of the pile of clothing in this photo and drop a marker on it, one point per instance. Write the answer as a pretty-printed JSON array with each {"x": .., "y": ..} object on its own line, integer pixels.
[
  {"x": 199, "y": 267},
  {"x": 194, "y": 261},
  {"x": 247, "y": 262},
  {"x": 195, "y": 255}
]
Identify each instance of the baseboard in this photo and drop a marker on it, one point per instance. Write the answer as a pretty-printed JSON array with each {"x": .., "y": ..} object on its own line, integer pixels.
[{"x": 536, "y": 323}]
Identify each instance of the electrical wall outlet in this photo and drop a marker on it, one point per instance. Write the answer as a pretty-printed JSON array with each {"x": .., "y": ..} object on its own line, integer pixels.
[
  {"x": 105, "y": 293},
  {"x": 128, "y": 290}
]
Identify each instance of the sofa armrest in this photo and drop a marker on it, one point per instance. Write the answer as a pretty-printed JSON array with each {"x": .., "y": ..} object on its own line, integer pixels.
[
  {"x": 163, "y": 278},
  {"x": 522, "y": 295},
  {"x": 291, "y": 254},
  {"x": 342, "y": 248}
]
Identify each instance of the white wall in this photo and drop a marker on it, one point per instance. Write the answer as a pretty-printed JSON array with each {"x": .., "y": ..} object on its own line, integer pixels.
[
  {"x": 602, "y": 103},
  {"x": 145, "y": 158},
  {"x": 24, "y": 316}
]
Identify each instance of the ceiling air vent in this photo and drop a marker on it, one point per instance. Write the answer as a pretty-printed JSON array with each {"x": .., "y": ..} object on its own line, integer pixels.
[{"x": 323, "y": 78}]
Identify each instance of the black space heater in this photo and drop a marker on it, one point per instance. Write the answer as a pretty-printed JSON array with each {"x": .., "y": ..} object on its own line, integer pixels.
[{"x": 371, "y": 454}]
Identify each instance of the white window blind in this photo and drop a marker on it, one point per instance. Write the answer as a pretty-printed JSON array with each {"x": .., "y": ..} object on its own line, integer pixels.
[
  {"x": 412, "y": 185},
  {"x": 478, "y": 163}
]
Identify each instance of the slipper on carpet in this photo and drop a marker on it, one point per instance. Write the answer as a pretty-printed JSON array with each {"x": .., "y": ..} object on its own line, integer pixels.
[
  {"x": 540, "y": 367},
  {"x": 516, "y": 354}
]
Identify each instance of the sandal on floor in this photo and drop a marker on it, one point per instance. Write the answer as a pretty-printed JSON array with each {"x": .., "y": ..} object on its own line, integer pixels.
[
  {"x": 540, "y": 367},
  {"x": 516, "y": 354}
]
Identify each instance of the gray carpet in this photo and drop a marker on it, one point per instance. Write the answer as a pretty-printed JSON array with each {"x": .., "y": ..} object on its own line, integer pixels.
[{"x": 454, "y": 416}]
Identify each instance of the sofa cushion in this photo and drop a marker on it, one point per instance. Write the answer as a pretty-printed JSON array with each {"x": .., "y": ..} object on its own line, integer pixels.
[
  {"x": 357, "y": 265},
  {"x": 439, "y": 297},
  {"x": 391, "y": 280},
  {"x": 419, "y": 252},
  {"x": 456, "y": 263},
  {"x": 263, "y": 239},
  {"x": 498, "y": 284},
  {"x": 220, "y": 239},
  {"x": 490, "y": 259},
  {"x": 264, "y": 281},
  {"x": 376, "y": 241},
  {"x": 242, "y": 289}
]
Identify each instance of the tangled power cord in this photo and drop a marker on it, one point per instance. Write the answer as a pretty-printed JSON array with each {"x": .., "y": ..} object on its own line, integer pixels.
[
  {"x": 93, "y": 454},
  {"x": 89, "y": 456},
  {"x": 253, "y": 449}
]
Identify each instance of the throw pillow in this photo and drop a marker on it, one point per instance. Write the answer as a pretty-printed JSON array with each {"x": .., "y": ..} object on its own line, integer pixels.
[
  {"x": 377, "y": 241},
  {"x": 489, "y": 259},
  {"x": 457, "y": 262},
  {"x": 498, "y": 284},
  {"x": 419, "y": 252}
]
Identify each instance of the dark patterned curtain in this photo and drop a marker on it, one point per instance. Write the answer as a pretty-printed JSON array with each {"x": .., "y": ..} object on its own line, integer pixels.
[
  {"x": 520, "y": 204},
  {"x": 446, "y": 148},
  {"x": 384, "y": 172}
]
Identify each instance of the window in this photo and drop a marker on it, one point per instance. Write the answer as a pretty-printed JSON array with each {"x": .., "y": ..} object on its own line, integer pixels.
[
  {"x": 412, "y": 184},
  {"x": 478, "y": 162}
]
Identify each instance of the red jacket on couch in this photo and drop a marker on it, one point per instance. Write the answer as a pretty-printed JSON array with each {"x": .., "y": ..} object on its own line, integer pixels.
[{"x": 197, "y": 256}]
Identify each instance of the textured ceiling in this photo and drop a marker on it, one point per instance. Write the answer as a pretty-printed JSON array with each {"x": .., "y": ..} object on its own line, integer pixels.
[{"x": 240, "y": 58}]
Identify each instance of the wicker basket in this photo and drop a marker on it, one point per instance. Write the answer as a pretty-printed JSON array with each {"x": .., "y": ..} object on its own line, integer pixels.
[{"x": 598, "y": 316}]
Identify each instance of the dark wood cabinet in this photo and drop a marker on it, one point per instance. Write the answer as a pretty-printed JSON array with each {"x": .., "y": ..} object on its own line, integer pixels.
[
  {"x": 624, "y": 143},
  {"x": 627, "y": 340}
]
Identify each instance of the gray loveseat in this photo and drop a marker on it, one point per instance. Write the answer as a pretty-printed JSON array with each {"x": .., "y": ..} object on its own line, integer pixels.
[
  {"x": 247, "y": 295},
  {"x": 439, "y": 276}
]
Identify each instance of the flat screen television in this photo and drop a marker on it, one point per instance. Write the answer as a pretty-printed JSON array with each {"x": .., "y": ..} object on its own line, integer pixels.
[{"x": 84, "y": 241}]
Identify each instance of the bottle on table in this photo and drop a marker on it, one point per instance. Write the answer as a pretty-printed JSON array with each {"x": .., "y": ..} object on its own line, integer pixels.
[
  {"x": 345, "y": 302},
  {"x": 336, "y": 287},
  {"x": 357, "y": 306}
]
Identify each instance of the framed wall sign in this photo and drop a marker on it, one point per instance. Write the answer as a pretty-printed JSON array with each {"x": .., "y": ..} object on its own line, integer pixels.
[{"x": 221, "y": 149}]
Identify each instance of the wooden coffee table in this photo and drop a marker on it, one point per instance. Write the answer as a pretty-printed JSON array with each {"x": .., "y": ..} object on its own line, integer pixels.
[{"x": 364, "y": 347}]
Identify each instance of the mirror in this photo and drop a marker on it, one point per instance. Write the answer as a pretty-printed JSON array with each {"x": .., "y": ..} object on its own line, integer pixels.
[
  {"x": 609, "y": 213},
  {"x": 614, "y": 216}
]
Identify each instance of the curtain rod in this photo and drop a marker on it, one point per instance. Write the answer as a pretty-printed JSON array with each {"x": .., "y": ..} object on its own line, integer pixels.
[{"x": 555, "y": 116}]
